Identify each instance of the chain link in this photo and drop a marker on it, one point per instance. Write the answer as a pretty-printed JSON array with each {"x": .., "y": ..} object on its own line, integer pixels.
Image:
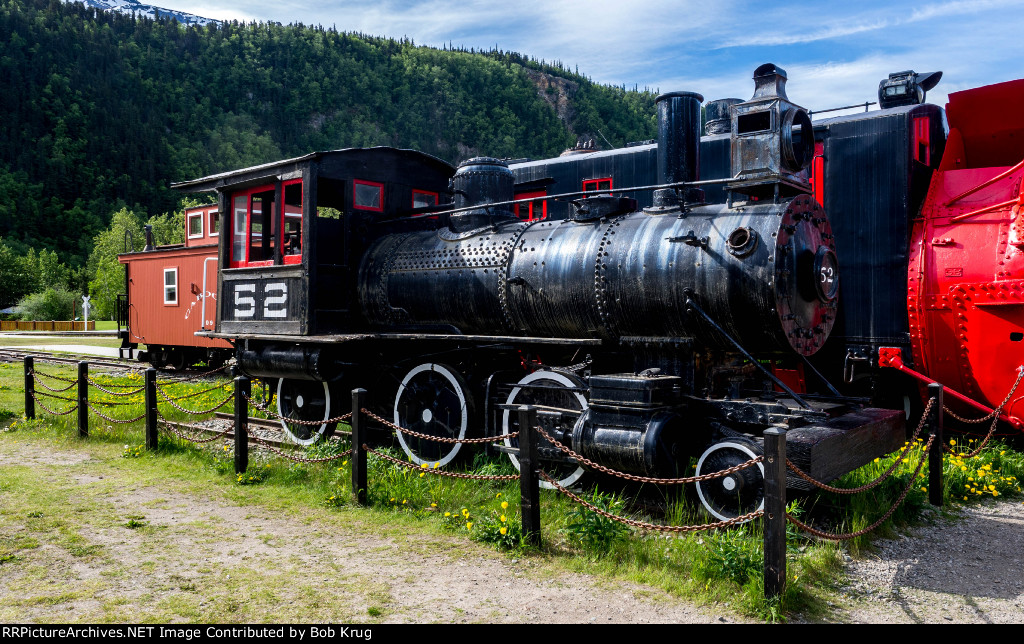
[
  {"x": 114, "y": 393},
  {"x": 292, "y": 457},
  {"x": 646, "y": 479},
  {"x": 437, "y": 439},
  {"x": 853, "y": 535},
  {"x": 174, "y": 431},
  {"x": 48, "y": 388},
  {"x": 478, "y": 477},
  {"x": 995, "y": 413},
  {"x": 115, "y": 420},
  {"x": 43, "y": 393},
  {"x": 50, "y": 375},
  {"x": 195, "y": 412},
  {"x": 195, "y": 377},
  {"x": 266, "y": 410},
  {"x": 55, "y": 413},
  {"x": 886, "y": 474},
  {"x": 652, "y": 526}
]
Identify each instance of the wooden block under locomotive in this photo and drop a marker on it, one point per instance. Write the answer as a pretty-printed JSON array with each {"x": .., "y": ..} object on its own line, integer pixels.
[{"x": 651, "y": 331}]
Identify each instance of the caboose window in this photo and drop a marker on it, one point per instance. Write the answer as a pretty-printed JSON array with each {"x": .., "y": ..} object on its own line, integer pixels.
[
  {"x": 170, "y": 286},
  {"x": 214, "y": 223},
  {"x": 195, "y": 225},
  {"x": 423, "y": 199},
  {"x": 368, "y": 195}
]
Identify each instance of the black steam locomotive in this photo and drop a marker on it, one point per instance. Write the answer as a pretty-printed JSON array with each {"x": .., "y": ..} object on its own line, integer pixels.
[{"x": 646, "y": 336}]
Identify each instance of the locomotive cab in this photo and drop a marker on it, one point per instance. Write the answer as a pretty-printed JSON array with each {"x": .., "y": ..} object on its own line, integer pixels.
[{"x": 295, "y": 229}]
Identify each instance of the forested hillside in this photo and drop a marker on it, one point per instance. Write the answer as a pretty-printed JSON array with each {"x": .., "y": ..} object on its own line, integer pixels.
[{"x": 102, "y": 111}]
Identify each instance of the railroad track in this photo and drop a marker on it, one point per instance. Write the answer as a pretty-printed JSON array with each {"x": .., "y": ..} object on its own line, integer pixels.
[
  {"x": 268, "y": 431},
  {"x": 19, "y": 355}
]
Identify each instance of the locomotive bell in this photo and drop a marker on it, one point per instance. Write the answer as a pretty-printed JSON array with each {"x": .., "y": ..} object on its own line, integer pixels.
[
  {"x": 772, "y": 139},
  {"x": 477, "y": 182}
]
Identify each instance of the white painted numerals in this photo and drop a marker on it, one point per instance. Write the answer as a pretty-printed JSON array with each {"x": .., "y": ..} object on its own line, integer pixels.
[
  {"x": 245, "y": 305},
  {"x": 275, "y": 300},
  {"x": 281, "y": 309}
]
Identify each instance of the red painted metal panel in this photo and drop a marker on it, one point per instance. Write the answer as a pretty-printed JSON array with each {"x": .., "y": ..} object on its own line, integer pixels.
[
  {"x": 153, "y": 322},
  {"x": 966, "y": 275}
]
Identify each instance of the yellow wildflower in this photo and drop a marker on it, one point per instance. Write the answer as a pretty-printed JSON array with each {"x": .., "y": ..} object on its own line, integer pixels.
[
  {"x": 503, "y": 519},
  {"x": 469, "y": 525},
  {"x": 504, "y": 505},
  {"x": 503, "y": 531}
]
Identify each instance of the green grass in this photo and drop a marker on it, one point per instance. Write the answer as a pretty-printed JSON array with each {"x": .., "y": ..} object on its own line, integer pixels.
[{"x": 718, "y": 567}]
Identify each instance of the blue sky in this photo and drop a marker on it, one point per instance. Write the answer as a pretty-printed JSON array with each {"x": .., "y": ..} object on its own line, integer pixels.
[{"x": 835, "y": 53}]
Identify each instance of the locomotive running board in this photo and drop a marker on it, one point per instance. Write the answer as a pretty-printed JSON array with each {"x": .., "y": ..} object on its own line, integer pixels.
[{"x": 353, "y": 337}]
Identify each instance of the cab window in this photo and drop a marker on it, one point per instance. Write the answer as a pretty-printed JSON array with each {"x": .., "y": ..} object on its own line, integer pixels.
[{"x": 254, "y": 227}]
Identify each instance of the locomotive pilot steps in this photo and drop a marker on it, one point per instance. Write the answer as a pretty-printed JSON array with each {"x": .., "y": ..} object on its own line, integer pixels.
[{"x": 648, "y": 337}]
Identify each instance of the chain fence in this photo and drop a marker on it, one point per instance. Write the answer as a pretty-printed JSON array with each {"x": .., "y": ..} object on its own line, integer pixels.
[
  {"x": 853, "y": 535},
  {"x": 650, "y": 526},
  {"x": 932, "y": 409}
]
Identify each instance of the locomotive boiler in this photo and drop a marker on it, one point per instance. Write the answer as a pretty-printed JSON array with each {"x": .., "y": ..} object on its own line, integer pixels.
[{"x": 646, "y": 337}]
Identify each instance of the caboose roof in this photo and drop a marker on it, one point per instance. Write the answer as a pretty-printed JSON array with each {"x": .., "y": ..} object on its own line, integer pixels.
[{"x": 284, "y": 168}]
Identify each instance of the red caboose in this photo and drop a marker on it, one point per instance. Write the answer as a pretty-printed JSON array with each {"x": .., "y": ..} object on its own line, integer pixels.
[{"x": 171, "y": 292}]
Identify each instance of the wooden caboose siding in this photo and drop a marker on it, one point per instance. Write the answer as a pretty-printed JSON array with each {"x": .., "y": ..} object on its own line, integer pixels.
[{"x": 153, "y": 322}]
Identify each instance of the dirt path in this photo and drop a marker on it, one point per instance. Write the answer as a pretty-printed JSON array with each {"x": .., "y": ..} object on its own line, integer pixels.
[{"x": 205, "y": 558}]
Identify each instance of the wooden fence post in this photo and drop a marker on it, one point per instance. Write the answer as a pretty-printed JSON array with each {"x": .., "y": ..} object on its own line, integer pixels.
[
  {"x": 774, "y": 511},
  {"x": 30, "y": 389},
  {"x": 935, "y": 454},
  {"x": 359, "y": 475},
  {"x": 243, "y": 387},
  {"x": 151, "y": 410},
  {"x": 529, "y": 478},
  {"x": 83, "y": 399}
]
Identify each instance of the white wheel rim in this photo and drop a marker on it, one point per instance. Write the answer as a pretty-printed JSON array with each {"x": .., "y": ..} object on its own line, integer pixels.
[
  {"x": 284, "y": 423},
  {"x": 463, "y": 422},
  {"x": 562, "y": 380},
  {"x": 714, "y": 448}
]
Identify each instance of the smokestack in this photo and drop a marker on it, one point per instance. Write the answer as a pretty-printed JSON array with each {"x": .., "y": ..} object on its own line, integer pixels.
[
  {"x": 149, "y": 237},
  {"x": 679, "y": 140}
]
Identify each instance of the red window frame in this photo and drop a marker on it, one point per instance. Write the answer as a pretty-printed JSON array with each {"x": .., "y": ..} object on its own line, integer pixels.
[
  {"x": 428, "y": 193},
  {"x": 818, "y": 173},
  {"x": 234, "y": 262},
  {"x": 529, "y": 209},
  {"x": 922, "y": 139},
  {"x": 290, "y": 259},
  {"x": 595, "y": 184},
  {"x": 362, "y": 182}
]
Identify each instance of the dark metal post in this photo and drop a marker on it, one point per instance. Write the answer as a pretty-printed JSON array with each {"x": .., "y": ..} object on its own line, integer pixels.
[
  {"x": 529, "y": 478},
  {"x": 151, "y": 435},
  {"x": 359, "y": 484},
  {"x": 242, "y": 389},
  {"x": 935, "y": 455},
  {"x": 30, "y": 389},
  {"x": 774, "y": 511},
  {"x": 83, "y": 399}
]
